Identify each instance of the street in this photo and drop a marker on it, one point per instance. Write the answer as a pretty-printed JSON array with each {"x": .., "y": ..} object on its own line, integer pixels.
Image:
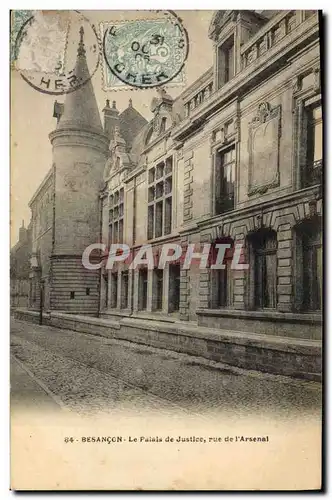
[{"x": 86, "y": 373}]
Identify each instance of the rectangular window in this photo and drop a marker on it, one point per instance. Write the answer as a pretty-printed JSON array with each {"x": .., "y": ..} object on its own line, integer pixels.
[
  {"x": 114, "y": 289},
  {"x": 87, "y": 291},
  {"x": 265, "y": 250},
  {"x": 143, "y": 289},
  {"x": 168, "y": 216},
  {"x": 159, "y": 219},
  {"x": 158, "y": 288},
  {"x": 160, "y": 199},
  {"x": 225, "y": 177},
  {"x": 169, "y": 165},
  {"x": 312, "y": 266},
  {"x": 150, "y": 222},
  {"x": 110, "y": 234},
  {"x": 163, "y": 125},
  {"x": 226, "y": 69},
  {"x": 106, "y": 289},
  {"x": 174, "y": 287},
  {"x": 225, "y": 285},
  {"x": 72, "y": 295},
  {"x": 314, "y": 158},
  {"x": 116, "y": 232},
  {"x": 160, "y": 170},
  {"x": 124, "y": 289},
  {"x": 229, "y": 60},
  {"x": 151, "y": 175},
  {"x": 116, "y": 214},
  {"x": 120, "y": 231}
]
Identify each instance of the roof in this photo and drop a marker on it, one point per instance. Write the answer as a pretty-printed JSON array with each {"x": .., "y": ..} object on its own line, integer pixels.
[
  {"x": 131, "y": 123},
  {"x": 80, "y": 107},
  {"x": 41, "y": 186}
]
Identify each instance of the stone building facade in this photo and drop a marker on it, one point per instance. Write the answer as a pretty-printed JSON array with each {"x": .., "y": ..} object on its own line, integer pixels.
[
  {"x": 236, "y": 158},
  {"x": 20, "y": 268}
]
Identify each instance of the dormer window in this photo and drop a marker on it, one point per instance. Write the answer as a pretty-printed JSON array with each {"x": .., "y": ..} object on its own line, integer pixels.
[
  {"x": 229, "y": 30},
  {"x": 226, "y": 61},
  {"x": 163, "y": 124},
  {"x": 149, "y": 135}
]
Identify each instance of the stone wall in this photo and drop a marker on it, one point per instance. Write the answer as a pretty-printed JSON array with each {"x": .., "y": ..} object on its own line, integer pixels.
[
  {"x": 73, "y": 287},
  {"x": 291, "y": 357}
]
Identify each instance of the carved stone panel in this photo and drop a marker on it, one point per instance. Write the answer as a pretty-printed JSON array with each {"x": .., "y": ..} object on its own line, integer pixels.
[{"x": 264, "y": 138}]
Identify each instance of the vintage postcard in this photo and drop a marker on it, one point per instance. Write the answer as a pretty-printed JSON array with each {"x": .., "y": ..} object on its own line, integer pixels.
[{"x": 166, "y": 256}]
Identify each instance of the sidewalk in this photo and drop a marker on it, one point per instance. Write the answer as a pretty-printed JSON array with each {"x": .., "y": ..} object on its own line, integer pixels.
[{"x": 26, "y": 393}]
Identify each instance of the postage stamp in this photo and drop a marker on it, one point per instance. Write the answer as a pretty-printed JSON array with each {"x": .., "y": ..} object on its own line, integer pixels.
[
  {"x": 144, "y": 53},
  {"x": 18, "y": 19},
  {"x": 46, "y": 49}
]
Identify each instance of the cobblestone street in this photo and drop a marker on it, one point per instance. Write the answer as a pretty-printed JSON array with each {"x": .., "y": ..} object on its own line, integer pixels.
[{"x": 87, "y": 373}]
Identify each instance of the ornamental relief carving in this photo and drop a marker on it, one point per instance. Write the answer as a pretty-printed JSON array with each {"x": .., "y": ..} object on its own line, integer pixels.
[
  {"x": 307, "y": 81},
  {"x": 228, "y": 131},
  {"x": 263, "y": 148}
]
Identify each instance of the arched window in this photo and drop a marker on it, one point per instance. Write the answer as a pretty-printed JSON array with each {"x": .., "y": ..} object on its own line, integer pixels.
[
  {"x": 222, "y": 279},
  {"x": 312, "y": 269},
  {"x": 264, "y": 253},
  {"x": 309, "y": 264}
]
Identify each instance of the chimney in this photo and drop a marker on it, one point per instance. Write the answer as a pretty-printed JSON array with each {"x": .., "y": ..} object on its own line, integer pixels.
[
  {"x": 111, "y": 118},
  {"x": 22, "y": 233}
]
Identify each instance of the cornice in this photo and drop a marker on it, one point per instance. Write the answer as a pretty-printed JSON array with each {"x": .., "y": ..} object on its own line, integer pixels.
[
  {"x": 284, "y": 201},
  {"x": 251, "y": 76},
  {"x": 200, "y": 82},
  {"x": 79, "y": 137}
]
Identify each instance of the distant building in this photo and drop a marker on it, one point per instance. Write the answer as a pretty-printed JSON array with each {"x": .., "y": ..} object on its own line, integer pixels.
[
  {"x": 237, "y": 157},
  {"x": 20, "y": 268}
]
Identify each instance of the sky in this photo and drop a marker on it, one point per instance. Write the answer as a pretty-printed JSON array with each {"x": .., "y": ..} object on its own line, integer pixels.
[{"x": 32, "y": 111}]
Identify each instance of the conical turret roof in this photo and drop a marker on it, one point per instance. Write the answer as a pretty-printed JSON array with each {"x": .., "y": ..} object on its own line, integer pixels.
[{"x": 80, "y": 108}]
